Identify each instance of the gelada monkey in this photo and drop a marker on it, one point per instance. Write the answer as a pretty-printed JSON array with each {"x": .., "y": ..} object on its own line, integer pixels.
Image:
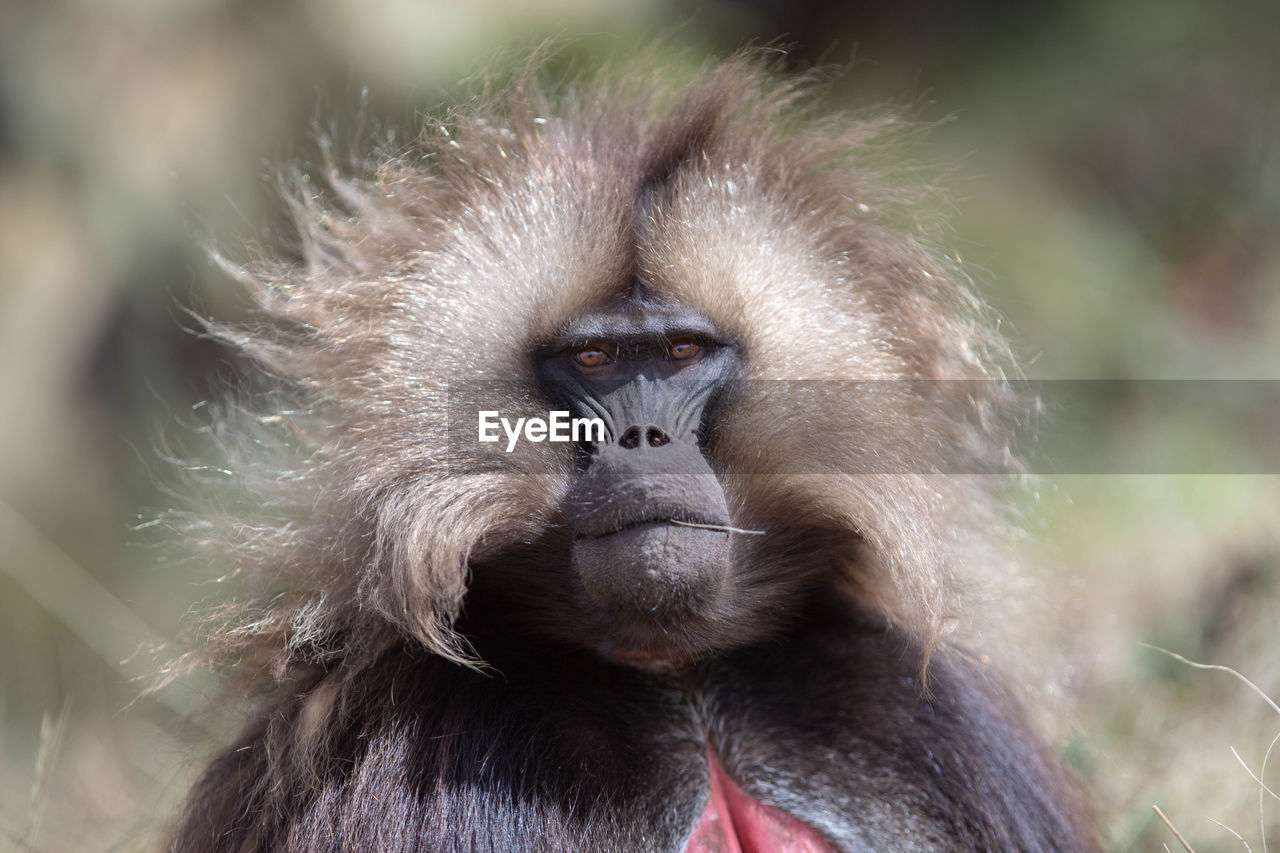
[{"x": 719, "y": 618}]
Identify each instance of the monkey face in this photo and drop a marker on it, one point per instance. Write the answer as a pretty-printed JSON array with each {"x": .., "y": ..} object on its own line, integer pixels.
[{"x": 651, "y": 531}]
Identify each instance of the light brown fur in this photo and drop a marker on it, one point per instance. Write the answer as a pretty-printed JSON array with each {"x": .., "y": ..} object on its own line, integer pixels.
[{"x": 450, "y": 261}]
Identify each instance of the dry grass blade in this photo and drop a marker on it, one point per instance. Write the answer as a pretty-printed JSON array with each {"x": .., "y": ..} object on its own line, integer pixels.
[
  {"x": 1174, "y": 830},
  {"x": 724, "y": 528},
  {"x": 1256, "y": 776},
  {"x": 1220, "y": 668},
  {"x": 51, "y": 736},
  {"x": 1263, "y": 790},
  {"x": 1233, "y": 832}
]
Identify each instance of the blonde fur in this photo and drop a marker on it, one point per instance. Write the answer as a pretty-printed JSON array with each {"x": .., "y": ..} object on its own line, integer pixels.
[{"x": 450, "y": 262}]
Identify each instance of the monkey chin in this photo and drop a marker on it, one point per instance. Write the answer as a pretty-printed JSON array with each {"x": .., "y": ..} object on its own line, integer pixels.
[{"x": 652, "y": 580}]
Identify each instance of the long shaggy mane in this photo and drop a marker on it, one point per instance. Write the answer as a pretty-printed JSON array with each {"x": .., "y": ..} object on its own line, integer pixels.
[{"x": 347, "y": 519}]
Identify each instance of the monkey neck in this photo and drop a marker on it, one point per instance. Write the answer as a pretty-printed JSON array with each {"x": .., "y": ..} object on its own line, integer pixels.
[{"x": 734, "y": 822}]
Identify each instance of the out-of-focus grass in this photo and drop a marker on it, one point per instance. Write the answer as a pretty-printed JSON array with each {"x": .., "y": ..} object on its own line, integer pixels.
[
  {"x": 1186, "y": 563},
  {"x": 1117, "y": 184}
]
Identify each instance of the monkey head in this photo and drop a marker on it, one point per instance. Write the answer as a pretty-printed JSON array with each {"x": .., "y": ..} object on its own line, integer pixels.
[{"x": 738, "y": 294}]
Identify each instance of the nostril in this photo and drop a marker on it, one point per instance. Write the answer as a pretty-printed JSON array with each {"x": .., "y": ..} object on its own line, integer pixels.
[{"x": 643, "y": 436}]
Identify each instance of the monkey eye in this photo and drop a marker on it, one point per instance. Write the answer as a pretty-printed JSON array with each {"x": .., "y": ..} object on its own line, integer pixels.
[
  {"x": 592, "y": 357},
  {"x": 683, "y": 350}
]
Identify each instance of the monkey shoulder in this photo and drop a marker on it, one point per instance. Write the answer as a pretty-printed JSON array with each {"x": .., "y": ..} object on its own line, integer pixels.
[
  {"x": 427, "y": 755},
  {"x": 875, "y": 748},
  {"x": 557, "y": 749}
]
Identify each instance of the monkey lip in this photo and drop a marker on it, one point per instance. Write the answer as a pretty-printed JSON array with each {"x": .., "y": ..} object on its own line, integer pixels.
[{"x": 691, "y": 524}]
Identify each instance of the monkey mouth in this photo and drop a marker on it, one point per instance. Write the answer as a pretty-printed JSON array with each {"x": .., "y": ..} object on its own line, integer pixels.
[
  {"x": 691, "y": 524},
  {"x": 648, "y": 580}
]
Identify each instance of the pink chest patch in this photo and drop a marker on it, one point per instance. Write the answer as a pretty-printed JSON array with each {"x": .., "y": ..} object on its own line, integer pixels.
[{"x": 736, "y": 823}]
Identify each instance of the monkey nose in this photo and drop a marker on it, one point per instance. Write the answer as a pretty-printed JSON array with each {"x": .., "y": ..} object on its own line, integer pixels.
[{"x": 643, "y": 435}]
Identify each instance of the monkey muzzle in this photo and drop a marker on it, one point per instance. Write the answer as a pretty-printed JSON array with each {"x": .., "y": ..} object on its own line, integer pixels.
[{"x": 650, "y": 544}]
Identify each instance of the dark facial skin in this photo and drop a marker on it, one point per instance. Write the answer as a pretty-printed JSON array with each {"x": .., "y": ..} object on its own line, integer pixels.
[{"x": 648, "y": 518}]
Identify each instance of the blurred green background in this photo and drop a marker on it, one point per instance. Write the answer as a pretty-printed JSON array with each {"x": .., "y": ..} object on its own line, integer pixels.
[{"x": 1113, "y": 170}]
